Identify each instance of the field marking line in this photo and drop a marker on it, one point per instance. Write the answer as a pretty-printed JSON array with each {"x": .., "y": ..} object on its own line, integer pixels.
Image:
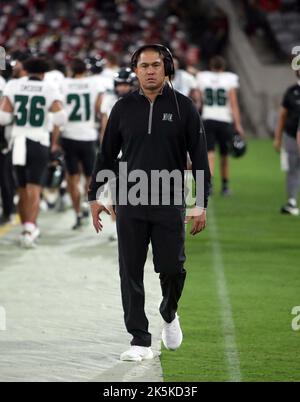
[
  {"x": 8, "y": 227},
  {"x": 231, "y": 350}
]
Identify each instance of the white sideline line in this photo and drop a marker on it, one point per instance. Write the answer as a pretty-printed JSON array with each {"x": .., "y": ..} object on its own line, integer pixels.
[{"x": 231, "y": 351}]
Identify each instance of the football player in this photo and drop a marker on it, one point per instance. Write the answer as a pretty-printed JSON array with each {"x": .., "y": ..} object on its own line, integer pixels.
[
  {"x": 26, "y": 104},
  {"x": 220, "y": 113},
  {"x": 82, "y": 98}
]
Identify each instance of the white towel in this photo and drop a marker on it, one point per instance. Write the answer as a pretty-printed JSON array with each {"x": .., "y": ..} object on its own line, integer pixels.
[
  {"x": 284, "y": 160},
  {"x": 19, "y": 150}
]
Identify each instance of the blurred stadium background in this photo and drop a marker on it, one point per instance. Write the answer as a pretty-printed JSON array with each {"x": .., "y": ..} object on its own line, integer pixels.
[
  {"x": 259, "y": 249},
  {"x": 257, "y": 37}
]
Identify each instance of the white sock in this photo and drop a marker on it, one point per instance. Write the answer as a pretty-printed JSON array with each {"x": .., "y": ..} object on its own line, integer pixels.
[{"x": 29, "y": 227}]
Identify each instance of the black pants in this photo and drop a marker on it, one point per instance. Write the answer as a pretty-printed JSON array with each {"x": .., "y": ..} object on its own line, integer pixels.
[
  {"x": 164, "y": 227},
  {"x": 79, "y": 153},
  {"x": 35, "y": 169},
  {"x": 7, "y": 187},
  {"x": 218, "y": 132}
]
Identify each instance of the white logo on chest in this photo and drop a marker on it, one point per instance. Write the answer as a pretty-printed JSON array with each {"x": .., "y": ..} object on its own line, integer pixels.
[{"x": 168, "y": 117}]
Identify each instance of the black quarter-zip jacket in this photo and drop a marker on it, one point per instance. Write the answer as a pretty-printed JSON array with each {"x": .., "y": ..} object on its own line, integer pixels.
[{"x": 153, "y": 136}]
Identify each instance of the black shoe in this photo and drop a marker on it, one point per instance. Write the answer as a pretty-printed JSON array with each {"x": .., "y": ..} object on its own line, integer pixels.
[
  {"x": 78, "y": 224},
  {"x": 85, "y": 210},
  {"x": 289, "y": 209},
  {"x": 85, "y": 214},
  {"x": 51, "y": 205},
  {"x": 226, "y": 192}
]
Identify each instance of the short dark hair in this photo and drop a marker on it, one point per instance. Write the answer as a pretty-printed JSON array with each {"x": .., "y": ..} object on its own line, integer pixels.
[
  {"x": 20, "y": 56},
  {"x": 217, "y": 63},
  {"x": 58, "y": 65},
  {"x": 78, "y": 66},
  {"x": 36, "y": 65},
  {"x": 145, "y": 49}
]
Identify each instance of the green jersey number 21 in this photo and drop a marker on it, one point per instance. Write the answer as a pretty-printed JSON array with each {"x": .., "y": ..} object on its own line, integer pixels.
[{"x": 78, "y": 112}]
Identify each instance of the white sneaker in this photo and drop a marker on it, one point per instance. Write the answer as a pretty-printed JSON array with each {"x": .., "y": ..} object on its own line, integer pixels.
[
  {"x": 137, "y": 354},
  {"x": 27, "y": 241},
  {"x": 36, "y": 233},
  {"x": 43, "y": 205},
  {"x": 172, "y": 334},
  {"x": 289, "y": 209}
]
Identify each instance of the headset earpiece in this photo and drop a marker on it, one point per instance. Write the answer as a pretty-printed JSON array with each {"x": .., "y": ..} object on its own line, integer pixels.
[
  {"x": 168, "y": 63},
  {"x": 168, "y": 58}
]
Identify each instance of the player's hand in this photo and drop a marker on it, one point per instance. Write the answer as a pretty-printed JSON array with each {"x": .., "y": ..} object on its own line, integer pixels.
[
  {"x": 96, "y": 209},
  {"x": 239, "y": 129},
  {"x": 198, "y": 215},
  {"x": 55, "y": 148},
  {"x": 277, "y": 144}
]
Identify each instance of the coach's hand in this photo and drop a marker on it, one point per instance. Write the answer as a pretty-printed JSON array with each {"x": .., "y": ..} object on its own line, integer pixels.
[
  {"x": 198, "y": 215},
  {"x": 96, "y": 209}
]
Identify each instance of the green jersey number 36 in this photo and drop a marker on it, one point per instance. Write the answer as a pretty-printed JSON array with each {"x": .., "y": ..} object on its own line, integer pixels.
[{"x": 30, "y": 110}]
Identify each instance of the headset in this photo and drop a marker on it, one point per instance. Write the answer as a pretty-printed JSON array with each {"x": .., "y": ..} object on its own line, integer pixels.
[
  {"x": 168, "y": 64},
  {"x": 169, "y": 69},
  {"x": 163, "y": 51}
]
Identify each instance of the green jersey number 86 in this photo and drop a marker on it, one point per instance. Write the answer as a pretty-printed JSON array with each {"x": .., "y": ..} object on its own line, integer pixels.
[{"x": 215, "y": 97}]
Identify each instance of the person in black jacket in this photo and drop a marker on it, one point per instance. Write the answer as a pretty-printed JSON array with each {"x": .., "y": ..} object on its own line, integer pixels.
[
  {"x": 7, "y": 189},
  {"x": 298, "y": 136},
  {"x": 154, "y": 127},
  {"x": 286, "y": 136}
]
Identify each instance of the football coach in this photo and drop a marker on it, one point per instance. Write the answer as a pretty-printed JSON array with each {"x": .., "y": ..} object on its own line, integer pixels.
[{"x": 154, "y": 127}]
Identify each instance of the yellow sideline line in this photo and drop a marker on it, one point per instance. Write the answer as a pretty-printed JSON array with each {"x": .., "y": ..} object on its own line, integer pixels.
[{"x": 7, "y": 228}]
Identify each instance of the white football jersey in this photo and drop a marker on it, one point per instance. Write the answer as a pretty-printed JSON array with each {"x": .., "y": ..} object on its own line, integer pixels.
[
  {"x": 108, "y": 102},
  {"x": 109, "y": 72},
  {"x": 31, "y": 101},
  {"x": 80, "y": 95},
  {"x": 106, "y": 83},
  {"x": 184, "y": 82},
  {"x": 2, "y": 85},
  {"x": 215, "y": 88},
  {"x": 55, "y": 77}
]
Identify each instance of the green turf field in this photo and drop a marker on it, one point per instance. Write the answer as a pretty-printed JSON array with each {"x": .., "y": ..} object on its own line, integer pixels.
[{"x": 259, "y": 252}]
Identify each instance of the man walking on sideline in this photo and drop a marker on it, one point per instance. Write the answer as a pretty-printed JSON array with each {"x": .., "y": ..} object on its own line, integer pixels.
[
  {"x": 286, "y": 137},
  {"x": 154, "y": 127},
  {"x": 298, "y": 137}
]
